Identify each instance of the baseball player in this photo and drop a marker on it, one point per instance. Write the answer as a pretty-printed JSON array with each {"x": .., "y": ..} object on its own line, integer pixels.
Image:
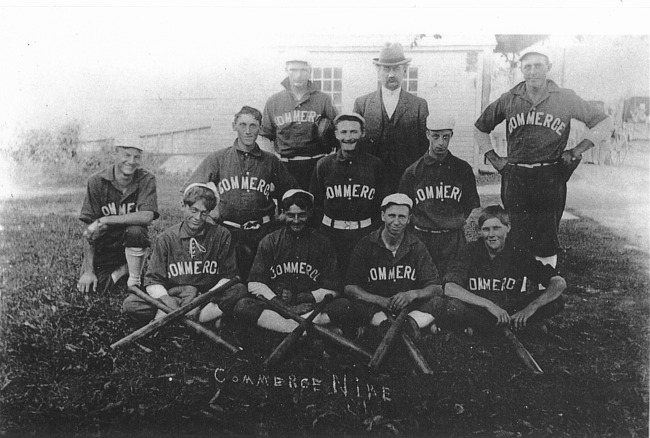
[
  {"x": 391, "y": 268},
  {"x": 120, "y": 204},
  {"x": 538, "y": 117},
  {"x": 348, "y": 187},
  {"x": 483, "y": 286},
  {"x": 444, "y": 190},
  {"x": 296, "y": 267},
  {"x": 188, "y": 259},
  {"x": 298, "y": 120},
  {"x": 248, "y": 180}
]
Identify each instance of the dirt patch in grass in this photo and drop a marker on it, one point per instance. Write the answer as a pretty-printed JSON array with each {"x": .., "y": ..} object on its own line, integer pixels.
[{"x": 58, "y": 375}]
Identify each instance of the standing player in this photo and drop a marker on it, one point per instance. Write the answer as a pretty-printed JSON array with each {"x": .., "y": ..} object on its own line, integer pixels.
[
  {"x": 296, "y": 267},
  {"x": 395, "y": 118},
  {"x": 188, "y": 259},
  {"x": 298, "y": 120},
  {"x": 120, "y": 204},
  {"x": 483, "y": 285},
  {"x": 391, "y": 269},
  {"x": 248, "y": 180},
  {"x": 538, "y": 117},
  {"x": 347, "y": 188},
  {"x": 444, "y": 189}
]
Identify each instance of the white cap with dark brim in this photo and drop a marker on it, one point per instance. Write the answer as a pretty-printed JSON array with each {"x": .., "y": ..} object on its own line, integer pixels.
[
  {"x": 397, "y": 199},
  {"x": 129, "y": 141},
  {"x": 289, "y": 193},
  {"x": 350, "y": 116},
  {"x": 437, "y": 122}
]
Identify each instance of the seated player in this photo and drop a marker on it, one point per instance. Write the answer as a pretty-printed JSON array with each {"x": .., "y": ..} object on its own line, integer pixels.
[
  {"x": 483, "y": 287},
  {"x": 188, "y": 259},
  {"x": 391, "y": 269},
  {"x": 296, "y": 267},
  {"x": 120, "y": 204}
]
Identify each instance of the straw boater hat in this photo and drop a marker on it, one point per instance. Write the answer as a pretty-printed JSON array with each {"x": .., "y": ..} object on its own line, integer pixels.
[{"x": 391, "y": 54}]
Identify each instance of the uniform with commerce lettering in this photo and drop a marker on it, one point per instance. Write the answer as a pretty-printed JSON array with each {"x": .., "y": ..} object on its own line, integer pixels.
[
  {"x": 538, "y": 117},
  {"x": 483, "y": 286},
  {"x": 444, "y": 190},
  {"x": 119, "y": 205},
  {"x": 347, "y": 189},
  {"x": 298, "y": 120},
  {"x": 395, "y": 118},
  {"x": 248, "y": 180},
  {"x": 188, "y": 259},
  {"x": 390, "y": 269},
  {"x": 295, "y": 265}
]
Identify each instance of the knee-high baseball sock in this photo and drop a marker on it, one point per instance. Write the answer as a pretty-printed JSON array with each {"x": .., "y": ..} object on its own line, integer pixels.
[
  {"x": 378, "y": 318},
  {"x": 550, "y": 260},
  {"x": 210, "y": 312},
  {"x": 272, "y": 321},
  {"x": 135, "y": 262},
  {"x": 422, "y": 319}
]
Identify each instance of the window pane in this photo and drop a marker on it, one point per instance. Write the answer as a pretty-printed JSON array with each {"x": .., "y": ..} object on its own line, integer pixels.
[
  {"x": 327, "y": 73},
  {"x": 413, "y": 86},
  {"x": 337, "y": 85},
  {"x": 317, "y": 73},
  {"x": 413, "y": 73},
  {"x": 317, "y": 85},
  {"x": 338, "y": 73},
  {"x": 337, "y": 99},
  {"x": 327, "y": 86}
]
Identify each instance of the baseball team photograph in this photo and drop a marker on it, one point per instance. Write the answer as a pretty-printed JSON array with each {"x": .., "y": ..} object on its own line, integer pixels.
[{"x": 216, "y": 224}]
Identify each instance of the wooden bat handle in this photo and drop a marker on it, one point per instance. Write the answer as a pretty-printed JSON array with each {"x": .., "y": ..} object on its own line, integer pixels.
[
  {"x": 522, "y": 352},
  {"x": 387, "y": 341},
  {"x": 288, "y": 342},
  {"x": 195, "y": 326}
]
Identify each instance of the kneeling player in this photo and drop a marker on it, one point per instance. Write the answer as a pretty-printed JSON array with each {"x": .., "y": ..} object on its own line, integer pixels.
[
  {"x": 120, "y": 204},
  {"x": 188, "y": 259},
  {"x": 391, "y": 269},
  {"x": 296, "y": 267},
  {"x": 483, "y": 285}
]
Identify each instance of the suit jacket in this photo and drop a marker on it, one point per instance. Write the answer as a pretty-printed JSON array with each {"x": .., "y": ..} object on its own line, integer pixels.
[{"x": 410, "y": 119}]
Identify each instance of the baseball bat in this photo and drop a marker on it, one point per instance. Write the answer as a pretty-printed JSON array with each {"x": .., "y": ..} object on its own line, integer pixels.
[
  {"x": 318, "y": 329},
  {"x": 521, "y": 351},
  {"x": 292, "y": 338},
  {"x": 384, "y": 346},
  {"x": 157, "y": 324},
  {"x": 195, "y": 326},
  {"x": 414, "y": 352}
]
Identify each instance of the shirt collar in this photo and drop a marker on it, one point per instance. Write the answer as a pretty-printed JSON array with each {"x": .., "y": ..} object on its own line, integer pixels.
[
  {"x": 340, "y": 157},
  {"x": 385, "y": 92},
  {"x": 184, "y": 233},
  {"x": 428, "y": 159},
  {"x": 256, "y": 151},
  {"x": 520, "y": 88}
]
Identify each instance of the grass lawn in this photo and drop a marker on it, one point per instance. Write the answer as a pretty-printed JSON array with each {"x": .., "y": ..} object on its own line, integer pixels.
[{"x": 58, "y": 375}]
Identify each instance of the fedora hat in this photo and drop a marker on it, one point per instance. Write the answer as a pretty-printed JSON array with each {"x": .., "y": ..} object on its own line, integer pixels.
[{"x": 391, "y": 54}]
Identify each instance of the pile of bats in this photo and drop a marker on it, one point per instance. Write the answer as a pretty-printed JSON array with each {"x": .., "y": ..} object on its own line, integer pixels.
[{"x": 305, "y": 325}]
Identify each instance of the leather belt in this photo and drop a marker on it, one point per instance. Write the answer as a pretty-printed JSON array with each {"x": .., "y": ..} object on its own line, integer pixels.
[
  {"x": 426, "y": 230},
  {"x": 250, "y": 225},
  {"x": 346, "y": 225},
  {"x": 533, "y": 165},
  {"x": 302, "y": 158}
]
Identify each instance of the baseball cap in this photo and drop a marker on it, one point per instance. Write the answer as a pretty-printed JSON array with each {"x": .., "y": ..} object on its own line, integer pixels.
[
  {"x": 129, "y": 141},
  {"x": 397, "y": 199},
  {"x": 209, "y": 186},
  {"x": 438, "y": 122},
  {"x": 291, "y": 192},
  {"x": 297, "y": 55},
  {"x": 350, "y": 116}
]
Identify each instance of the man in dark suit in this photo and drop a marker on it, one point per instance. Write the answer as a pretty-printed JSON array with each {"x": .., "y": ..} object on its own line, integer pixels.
[{"x": 395, "y": 119}]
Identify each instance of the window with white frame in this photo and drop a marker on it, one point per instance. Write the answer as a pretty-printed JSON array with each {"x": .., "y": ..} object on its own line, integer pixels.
[
  {"x": 410, "y": 83},
  {"x": 330, "y": 81}
]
